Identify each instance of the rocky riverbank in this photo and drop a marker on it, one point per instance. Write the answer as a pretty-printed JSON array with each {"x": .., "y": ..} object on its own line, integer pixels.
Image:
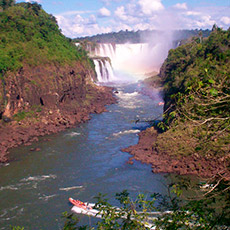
[
  {"x": 161, "y": 149},
  {"x": 27, "y": 131},
  {"x": 48, "y": 99},
  {"x": 146, "y": 152}
]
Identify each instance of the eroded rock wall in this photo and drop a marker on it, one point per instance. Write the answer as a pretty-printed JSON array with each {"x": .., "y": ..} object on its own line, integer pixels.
[{"x": 47, "y": 99}]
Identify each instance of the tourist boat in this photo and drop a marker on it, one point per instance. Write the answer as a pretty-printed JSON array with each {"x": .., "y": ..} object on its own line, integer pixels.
[
  {"x": 88, "y": 209},
  {"x": 83, "y": 208},
  {"x": 80, "y": 204}
]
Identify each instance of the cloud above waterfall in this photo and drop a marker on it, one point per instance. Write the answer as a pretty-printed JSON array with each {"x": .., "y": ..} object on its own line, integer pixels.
[
  {"x": 105, "y": 16},
  {"x": 104, "y": 12},
  {"x": 149, "y": 7},
  {"x": 75, "y": 24},
  {"x": 181, "y": 6}
]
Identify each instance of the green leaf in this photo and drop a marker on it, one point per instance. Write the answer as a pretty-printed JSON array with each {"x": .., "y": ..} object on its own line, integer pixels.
[
  {"x": 211, "y": 81},
  {"x": 213, "y": 92},
  {"x": 200, "y": 83}
]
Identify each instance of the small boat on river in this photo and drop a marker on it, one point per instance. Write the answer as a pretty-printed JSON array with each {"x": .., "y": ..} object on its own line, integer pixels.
[
  {"x": 161, "y": 103},
  {"x": 88, "y": 209},
  {"x": 84, "y": 208}
]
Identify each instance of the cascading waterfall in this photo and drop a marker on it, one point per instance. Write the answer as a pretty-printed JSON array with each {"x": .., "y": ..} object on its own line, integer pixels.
[
  {"x": 103, "y": 69},
  {"x": 131, "y": 59}
]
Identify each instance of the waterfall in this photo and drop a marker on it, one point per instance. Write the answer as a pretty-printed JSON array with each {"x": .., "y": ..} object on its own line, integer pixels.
[
  {"x": 135, "y": 60},
  {"x": 103, "y": 69}
]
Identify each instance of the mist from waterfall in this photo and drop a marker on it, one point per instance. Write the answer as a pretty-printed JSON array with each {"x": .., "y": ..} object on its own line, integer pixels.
[{"x": 130, "y": 61}]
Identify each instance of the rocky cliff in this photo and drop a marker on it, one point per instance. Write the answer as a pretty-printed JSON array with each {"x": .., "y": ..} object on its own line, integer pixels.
[
  {"x": 47, "y": 99},
  {"x": 45, "y": 80}
]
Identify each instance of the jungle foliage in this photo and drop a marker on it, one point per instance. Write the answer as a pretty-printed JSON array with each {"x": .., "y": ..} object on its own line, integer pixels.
[
  {"x": 196, "y": 80},
  {"x": 206, "y": 211},
  {"x": 139, "y": 36},
  {"x": 4, "y": 4},
  {"x": 205, "y": 208},
  {"x": 30, "y": 35}
]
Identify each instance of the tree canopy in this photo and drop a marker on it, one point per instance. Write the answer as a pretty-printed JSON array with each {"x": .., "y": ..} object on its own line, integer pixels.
[
  {"x": 197, "y": 94},
  {"x": 30, "y": 35}
]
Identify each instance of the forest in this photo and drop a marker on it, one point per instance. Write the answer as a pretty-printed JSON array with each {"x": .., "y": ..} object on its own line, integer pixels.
[
  {"x": 196, "y": 120},
  {"x": 140, "y": 36},
  {"x": 196, "y": 79},
  {"x": 29, "y": 34}
]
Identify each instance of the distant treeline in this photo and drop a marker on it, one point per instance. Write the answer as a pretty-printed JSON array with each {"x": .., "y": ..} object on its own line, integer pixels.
[{"x": 140, "y": 36}]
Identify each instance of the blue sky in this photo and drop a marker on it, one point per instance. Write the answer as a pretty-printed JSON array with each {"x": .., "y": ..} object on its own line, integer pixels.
[{"x": 89, "y": 17}]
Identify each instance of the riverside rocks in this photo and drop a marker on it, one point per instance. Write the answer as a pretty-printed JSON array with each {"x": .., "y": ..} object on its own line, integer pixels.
[
  {"x": 164, "y": 163},
  {"x": 48, "y": 99},
  {"x": 24, "y": 133}
]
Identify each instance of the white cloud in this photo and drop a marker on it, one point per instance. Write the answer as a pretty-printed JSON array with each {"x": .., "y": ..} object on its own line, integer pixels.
[
  {"x": 181, "y": 6},
  {"x": 78, "y": 25},
  {"x": 192, "y": 13},
  {"x": 150, "y": 6},
  {"x": 205, "y": 21},
  {"x": 142, "y": 26},
  {"x": 120, "y": 13},
  {"x": 38, "y": 1},
  {"x": 126, "y": 17},
  {"x": 141, "y": 15},
  {"x": 104, "y": 12},
  {"x": 121, "y": 26},
  {"x": 225, "y": 20}
]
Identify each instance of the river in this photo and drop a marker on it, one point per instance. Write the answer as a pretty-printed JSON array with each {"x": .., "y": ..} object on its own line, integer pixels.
[{"x": 79, "y": 163}]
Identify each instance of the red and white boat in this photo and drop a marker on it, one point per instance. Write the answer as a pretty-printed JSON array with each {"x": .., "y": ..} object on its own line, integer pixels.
[
  {"x": 79, "y": 204},
  {"x": 161, "y": 103},
  {"x": 88, "y": 209},
  {"x": 83, "y": 208}
]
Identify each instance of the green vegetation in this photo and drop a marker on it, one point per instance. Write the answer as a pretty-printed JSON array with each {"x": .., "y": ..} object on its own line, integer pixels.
[
  {"x": 197, "y": 95},
  {"x": 21, "y": 115},
  {"x": 4, "y": 4},
  {"x": 17, "y": 228},
  {"x": 30, "y": 35},
  {"x": 172, "y": 211},
  {"x": 203, "y": 209},
  {"x": 31, "y": 38},
  {"x": 139, "y": 36}
]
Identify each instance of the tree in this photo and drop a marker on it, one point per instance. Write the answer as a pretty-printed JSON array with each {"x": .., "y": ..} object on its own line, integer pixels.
[
  {"x": 173, "y": 211},
  {"x": 4, "y": 4}
]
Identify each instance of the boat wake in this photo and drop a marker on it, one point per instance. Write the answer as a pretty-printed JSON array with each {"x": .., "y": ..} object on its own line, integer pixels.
[
  {"x": 71, "y": 188},
  {"x": 28, "y": 183},
  {"x": 46, "y": 198}
]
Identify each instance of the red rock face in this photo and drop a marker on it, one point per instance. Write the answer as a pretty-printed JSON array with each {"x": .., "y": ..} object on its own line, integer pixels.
[{"x": 52, "y": 99}]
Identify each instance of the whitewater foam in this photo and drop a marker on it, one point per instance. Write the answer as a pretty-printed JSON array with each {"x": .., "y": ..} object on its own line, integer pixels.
[
  {"x": 71, "y": 188},
  {"x": 131, "y": 131},
  {"x": 129, "y": 100},
  {"x": 73, "y": 134},
  {"x": 8, "y": 187},
  {"x": 39, "y": 178},
  {"x": 45, "y": 197}
]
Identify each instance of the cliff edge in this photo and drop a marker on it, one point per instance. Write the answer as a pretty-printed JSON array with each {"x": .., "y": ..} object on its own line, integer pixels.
[{"x": 46, "y": 82}]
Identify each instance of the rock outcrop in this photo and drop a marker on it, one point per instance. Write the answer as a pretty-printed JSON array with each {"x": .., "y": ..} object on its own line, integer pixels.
[
  {"x": 161, "y": 162},
  {"x": 47, "y": 99}
]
